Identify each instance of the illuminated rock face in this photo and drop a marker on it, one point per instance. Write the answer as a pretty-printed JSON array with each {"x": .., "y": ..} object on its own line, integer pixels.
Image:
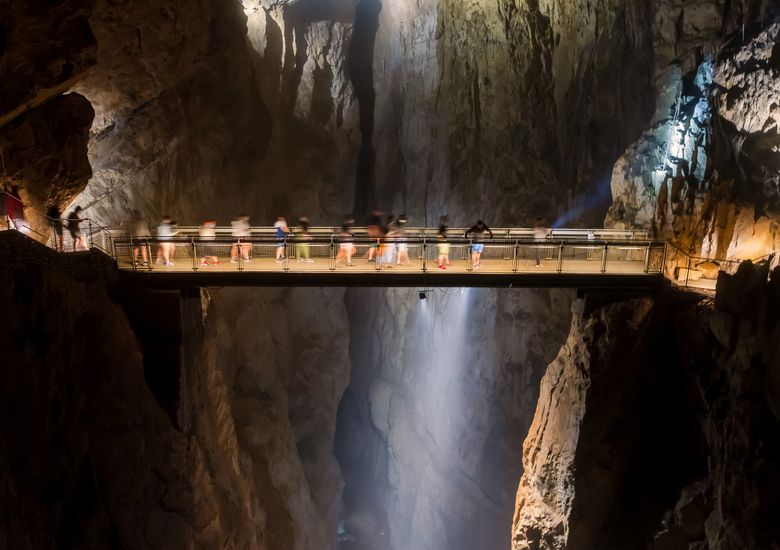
[
  {"x": 724, "y": 96},
  {"x": 620, "y": 455}
]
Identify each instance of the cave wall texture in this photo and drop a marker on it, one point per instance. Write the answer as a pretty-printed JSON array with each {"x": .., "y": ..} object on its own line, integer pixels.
[
  {"x": 657, "y": 425},
  {"x": 504, "y": 111}
]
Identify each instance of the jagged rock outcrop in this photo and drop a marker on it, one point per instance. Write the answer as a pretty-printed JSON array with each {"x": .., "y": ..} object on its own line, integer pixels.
[
  {"x": 429, "y": 433},
  {"x": 654, "y": 402},
  {"x": 45, "y": 151},
  {"x": 166, "y": 422},
  {"x": 43, "y": 52},
  {"x": 716, "y": 89}
]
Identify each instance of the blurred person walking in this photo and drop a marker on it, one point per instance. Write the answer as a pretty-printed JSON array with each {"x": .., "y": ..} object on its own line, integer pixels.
[
  {"x": 541, "y": 232},
  {"x": 55, "y": 218},
  {"x": 305, "y": 237},
  {"x": 208, "y": 249},
  {"x": 443, "y": 245},
  {"x": 281, "y": 236},
  {"x": 477, "y": 245},
  {"x": 167, "y": 249},
  {"x": 374, "y": 223},
  {"x": 346, "y": 246},
  {"x": 401, "y": 245},
  {"x": 15, "y": 210},
  {"x": 241, "y": 231},
  {"x": 75, "y": 231},
  {"x": 137, "y": 228}
]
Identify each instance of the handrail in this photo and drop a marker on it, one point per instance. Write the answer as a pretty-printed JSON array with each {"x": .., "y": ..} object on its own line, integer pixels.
[{"x": 517, "y": 243}]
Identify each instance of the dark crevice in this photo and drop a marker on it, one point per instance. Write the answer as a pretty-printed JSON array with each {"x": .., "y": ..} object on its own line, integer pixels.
[{"x": 360, "y": 62}]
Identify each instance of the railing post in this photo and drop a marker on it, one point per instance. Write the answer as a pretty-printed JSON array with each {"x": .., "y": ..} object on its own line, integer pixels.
[
  {"x": 194, "y": 254},
  {"x": 647, "y": 259},
  {"x": 425, "y": 254},
  {"x": 514, "y": 257},
  {"x": 560, "y": 256},
  {"x": 604, "y": 259},
  {"x": 469, "y": 264},
  {"x": 332, "y": 259},
  {"x": 688, "y": 272},
  {"x": 239, "y": 254},
  {"x": 90, "y": 233},
  {"x": 289, "y": 244},
  {"x": 150, "y": 260}
]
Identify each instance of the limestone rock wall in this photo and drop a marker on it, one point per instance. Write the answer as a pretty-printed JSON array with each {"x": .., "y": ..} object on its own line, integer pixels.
[
  {"x": 716, "y": 89},
  {"x": 429, "y": 434},
  {"x": 206, "y": 111},
  {"x": 481, "y": 105},
  {"x": 146, "y": 419},
  {"x": 89, "y": 457},
  {"x": 653, "y": 424}
]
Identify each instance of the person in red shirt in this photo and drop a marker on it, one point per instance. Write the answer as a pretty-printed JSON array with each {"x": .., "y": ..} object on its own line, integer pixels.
[{"x": 15, "y": 209}]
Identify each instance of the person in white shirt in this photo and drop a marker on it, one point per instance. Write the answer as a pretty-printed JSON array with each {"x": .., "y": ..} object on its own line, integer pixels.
[
  {"x": 207, "y": 234},
  {"x": 281, "y": 234},
  {"x": 241, "y": 231},
  {"x": 541, "y": 232}
]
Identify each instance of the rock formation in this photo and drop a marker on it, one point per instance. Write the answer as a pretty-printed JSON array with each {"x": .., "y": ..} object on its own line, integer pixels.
[
  {"x": 649, "y": 421},
  {"x": 502, "y": 111},
  {"x": 716, "y": 88}
]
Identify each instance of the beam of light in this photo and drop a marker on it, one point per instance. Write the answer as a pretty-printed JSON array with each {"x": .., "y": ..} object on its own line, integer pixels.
[{"x": 600, "y": 195}]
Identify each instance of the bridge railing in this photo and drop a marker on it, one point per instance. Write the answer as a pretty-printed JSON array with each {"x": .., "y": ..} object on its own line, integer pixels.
[
  {"x": 334, "y": 253},
  {"x": 43, "y": 229}
]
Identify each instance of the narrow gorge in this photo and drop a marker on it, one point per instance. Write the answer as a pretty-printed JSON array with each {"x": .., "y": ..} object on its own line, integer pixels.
[{"x": 366, "y": 418}]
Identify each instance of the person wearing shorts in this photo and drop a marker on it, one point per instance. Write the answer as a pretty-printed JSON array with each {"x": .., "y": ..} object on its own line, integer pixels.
[
  {"x": 281, "y": 235},
  {"x": 444, "y": 247},
  {"x": 241, "y": 231},
  {"x": 346, "y": 246},
  {"x": 477, "y": 246},
  {"x": 137, "y": 228},
  {"x": 165, "y": 234},
  {"x": 374, "y": 223},
  {"x": 401, "y": 245},
  {"x": 75, "y": 230},
  {"x": 303, "y": 243},
  {"x": 208, "y": 250}
]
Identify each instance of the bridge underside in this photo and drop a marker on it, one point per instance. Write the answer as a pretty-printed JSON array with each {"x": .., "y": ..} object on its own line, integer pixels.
[{"x": 409, "y": 279}]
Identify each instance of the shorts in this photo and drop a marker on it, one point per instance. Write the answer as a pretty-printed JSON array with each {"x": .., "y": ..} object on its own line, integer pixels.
[
  {"x": 402, "y": 247},
  {"x": 444, "y": 249},
  {"x": 207, "y": 250},
  {"x": 373, "y": 245},
  {"x": 57, "y": 228},
  {"x": 477, "y": 247},
  {"x": 346, "y": 246},
  {"x": 76, "y": 234}
]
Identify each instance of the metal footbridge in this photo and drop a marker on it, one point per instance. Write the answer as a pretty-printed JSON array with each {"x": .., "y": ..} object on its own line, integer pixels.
[{"x": 567, "y": 258}]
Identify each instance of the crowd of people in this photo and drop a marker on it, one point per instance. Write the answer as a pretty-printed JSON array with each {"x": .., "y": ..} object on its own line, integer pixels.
[
  {"x": 15, "y": 212},
  {"x": 387, "y": 237}
]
